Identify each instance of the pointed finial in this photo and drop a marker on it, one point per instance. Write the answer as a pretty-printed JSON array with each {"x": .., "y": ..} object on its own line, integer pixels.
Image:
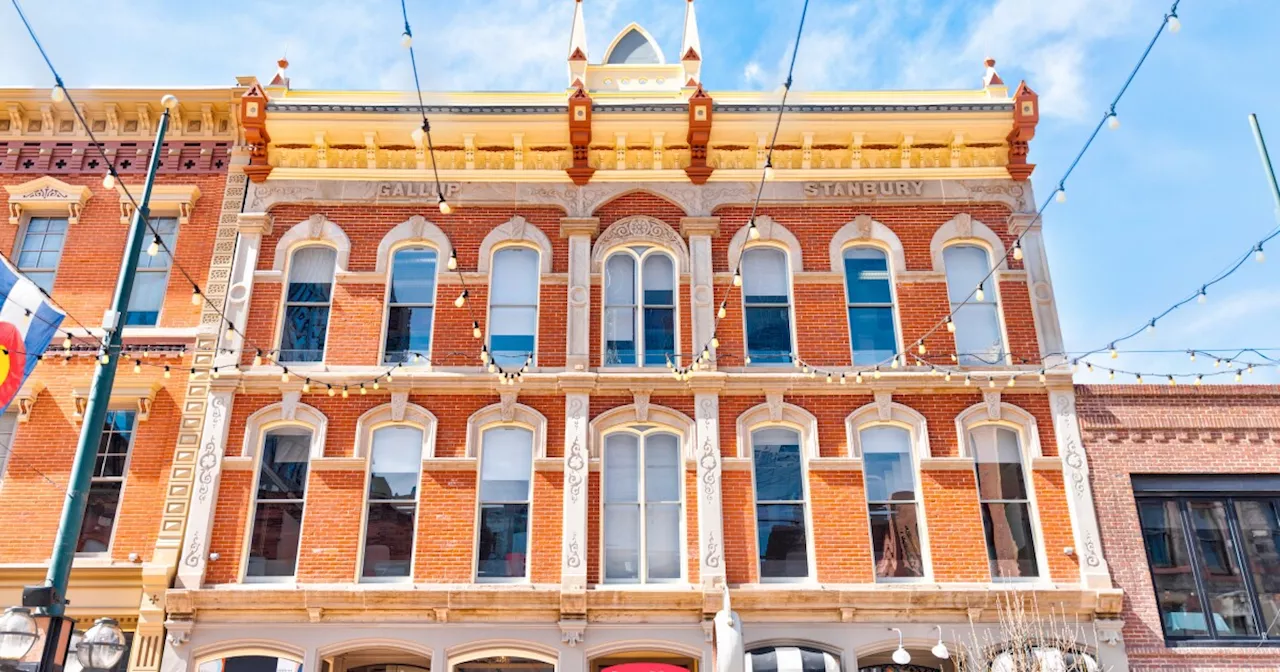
[{"x": 991, "y": 78}]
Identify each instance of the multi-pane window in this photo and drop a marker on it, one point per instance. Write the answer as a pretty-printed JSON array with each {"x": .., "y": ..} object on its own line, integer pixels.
[
  {"x": 1215, "y": 564},
  {"x": 781, "y": 537},
  {"x": 277, "y": 513},
  {"x": 41, "y": 249},
  {"x": 642, "y": 488},
  {"x": 411, "y": 304},
  {"x": 891, "y": 502},
  {"x": 394, "y": 464},
  {"x": 506, "y": 467},
  {"x": 1005, "y": 502},
  {"x": 8, "y": 423},
  {"x": 639, "y": 326},
  {"x": 977, "y": 322},
  {"x": 306, "y": 308},
  {"x": 766, "y": 298},
  {"x": 513, "y": 305},
  {"x": 109, "y": 469},
  {"x": 152, "y": 279},
  {"x": 871, "y": 330}
]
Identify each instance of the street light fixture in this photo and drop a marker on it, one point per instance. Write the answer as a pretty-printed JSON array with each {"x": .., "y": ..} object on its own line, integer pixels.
[
  {"x": 17, "y": 634},
  {"x": 102, "y": 646}
]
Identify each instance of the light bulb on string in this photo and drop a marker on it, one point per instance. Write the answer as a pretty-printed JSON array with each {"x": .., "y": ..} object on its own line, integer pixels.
[
  {"x": 26, "y": 316},
  {"x": 376, "y": 384},
  {"x": 493, "y": 368},
  {"x": 1113, "y": 121},
  {"x": 894, "y": 364},
  {"x": 1151, "y": 327},
  {"x": 947, "y": 377},
  {"x": 1041, "y": 375},
  {"x": 406, "y": 39},
  {"x": 284, "y": 376},
  {"x": 137, "y": 366},
  {"x": 104, "y": 359},
  {"x": 876, "y": 374},
  {"x": 1139, "y": 377},
  {"x": 195, "y": 296},
  {"x": 746, "y": 359},
  {"x": 1017, "y": 250},
  {"x": 109, "y": 181},
  {"x": 1203, "y": 296},
  {"x": 951, "y": 325},
  {"x": 475, "y": 329},
  {"x": 737, "y": 277},
  {"x": 769, "y": 172},
  {"x": 967, "y": 380},
  {"x": 843, "y": 379},
  {"x": 1217, "y": 363},
  {"x": 978, "y": 294},
  {"x": 1111, "y": 375},
  {"x": 991, "y": 382},
  {"x": 58, "y": 94},
  {"x": 363, "y": 389},
  {"x": 857, "y": 378},
  {"x": 66, "y": 342},
  {"x": 1013, "y": 380},
  {"x": 1089, "y": 366},
  {"x": 721, "y": 312},
  {"x": 1060, "y": 195},
  {"x": 1258, "y": 255},
  {"x": 1238, "y": 376},
  {"x": 1175, "y": 24},
  {"x": 167, "y": 373},
  {"x": 484, "y": 354},
  {"x": 453, "y": 260},
  {"x": 1199, "y": 379},
  {"x": 715, "y": 341},
  {"x": 1192, "y": 353},
  {"x": 214, "y": 373},
  {"x": 753, "y": 231},
  {"x": 445, "y": 208},
  {"x": 1250, "y": 369},
  {"x": 231, "y": 330},
  {"x": 461, "y": 300},
  {"x": 921, "y": 348},
  {"x": 154, "y": 248},
  {"x": 306, "y": 386},
  {"x": 344, "y": 391},
  {"x": 257, "y": 358},
  {"x": 1172, "y": 381},
  {"x": 331, "y": 392},
  {"x": 1114, "y": 353}
]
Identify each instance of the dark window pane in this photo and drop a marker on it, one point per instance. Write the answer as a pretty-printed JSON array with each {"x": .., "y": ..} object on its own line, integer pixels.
[
  {"x": 388, "y": 543},
  {"x": 273, "y": 547},
  {"x": 769, "y": 335},
  {"x": 99, "y": 518},
  {"x": 1011, "y": 547},
  {"x": 781, "y": 541},
  {"x": 1175, "y": 585},
  {"x": 309, "y": 292},
  {"x": 867, "y": 275},
  {"x": 250, "y": 664},
  {"x": 659, "y": 335},
  {"x": 408, "y": 331},
  {"x": 895, "y": 534},
  {"x": 1260, "y": 534},
  {"x": 1220, "y": 570},
  {"x": 503, "y": 540},
  {"x": 871, "y": 329},
  {"x": 777, "y": 469},
  {"x": 413, "y": 276},
  {"x": 304, "y": 333},
  {"x": 285, "y": 458},
  {"x": 659, "y": 297}
]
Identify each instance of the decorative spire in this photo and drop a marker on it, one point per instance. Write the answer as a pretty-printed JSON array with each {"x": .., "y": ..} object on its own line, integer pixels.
[
  {"x": 577, "y": 46},
  {"x": 280, "y": 79},
  {"x": 991, "y": 78},
  {"x": 691, "y": 46}
]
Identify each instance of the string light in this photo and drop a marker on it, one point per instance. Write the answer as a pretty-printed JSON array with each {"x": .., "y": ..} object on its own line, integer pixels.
[
  {"x": 967, "y": 380},
  {"x": 1175, "y": 24},
  {"x": 1114, "y": 353},
  {"x": 1111, "y": 375},
  {"x": 1258, "y": 255},
  {"x": 1042, "y": 376},
  {"x": 1172, "y": 382},
  {"x": 109, "y": 181},
  {"x": 1193, "y": 354},
  {"x": 306, "y": 386},
  {"x": 1199, "y": 379},
  {"x": 769, "y": 172},
  {"x": 753, "y": 231},
  {"x": 331, "y": 391},
  {"x": 1061, "y": 195},
  {"x": 715, "y": 341},
  {"x": 857, "y": 378},
  {"x": 445, "y": 208},
  {"x": 154, "y": 248},
  {"x": 721, "y": 312},
  {"x": 475, "y": 329},
  {"x": 947, "y": 377},
  {"x": 978, "y": 294},
  {"x": 66, "y": 342},
  {"x": 484, "y": 355},
  {"x": 1151, "y": 327},
  {"x": 137, "y": 366},
  {"x": 58, "y": 94},
  {"x": 876, "y": 374},
  {"x": 1113, "y": 121},
  {"x": 1012, "y": 381},
  {"x": 167, "y": 373},
  {"x": 406, "y": 40},
  {"x": 453, "y": 260},
  {"x": 257, "y": 358},
  {"x": 375, "y": 383},
  {"x": 1139, "y": 378},
  {"x": 843, "y": 379},
  {"x": 1202, "y": 296},
  {"x": 231, "y": 330},
  {"x": 737, "y": 277},
  {"x": 363, "y": 390},
  {"x": 344, "y": 391},
  {"x": 991, "y": 382},
  {"x": 921, "y": 349},
  {"x": 461, "y": 300},
  {"x": 1238, "y": 376},
  {"x": 1017, "y": 250},
  {"x": 195, "y": 295},
  {"x": 214, "y": 373},
  {"x": 104, "y": 359},
  {"x": 951, "y": 325},
  {"x": 284, "y": 375}
]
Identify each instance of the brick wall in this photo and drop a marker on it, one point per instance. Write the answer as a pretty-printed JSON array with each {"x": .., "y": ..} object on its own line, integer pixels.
[{"x": 1129, "y": 430}]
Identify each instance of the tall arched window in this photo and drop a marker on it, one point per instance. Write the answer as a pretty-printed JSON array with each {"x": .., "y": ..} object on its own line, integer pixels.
[
  {"x": 977, "y": 320},
  {"x": 1005, "y": 500},
  {"x": 642, "y": 506},
  {"x": 410, "y": 304},
  {"x": 513, "y": 305},
  {"x": 766, "y": 298},
  {"x": 892, "y": 501},
  {"x": 395, "y": 463},
  {"x": 781, "y": 524},
  {"x": 870, "y": 295},
  {"x": 506, "y": 469},
  {"x": 307, "y": 301},
  {"x": 277, "y": 512},
  {"x": 639, "y": 326}
]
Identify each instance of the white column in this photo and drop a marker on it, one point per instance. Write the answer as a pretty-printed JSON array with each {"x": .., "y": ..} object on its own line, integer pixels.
[
  {"x": 706, "y": 454},
  {"x": 1112, "y": 655},
  {"x": 699, "y": 230},
  {"x": 1084, "y": 518},
  {"x": 1044, "y": 309},
  {"x": 177, "y": 651},
  {"x": 253, "y": 225},
  {"x": 579, "y": 231},
  {"x": 573, "y": 553},
  {"x": 204, "y": 498}
]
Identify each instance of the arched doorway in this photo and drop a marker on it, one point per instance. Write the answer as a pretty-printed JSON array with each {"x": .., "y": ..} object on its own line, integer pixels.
[
  {"x": 922, "y": 660},
  {"x": 644, "y": 661},
  {"x": 251, "y": 663},
  {"x": 504, "y": 663},
  {"x": 375, "y": 658}
]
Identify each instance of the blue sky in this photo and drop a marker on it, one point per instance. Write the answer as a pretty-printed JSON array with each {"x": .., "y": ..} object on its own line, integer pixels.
[{"x": 1154, "y": 209}]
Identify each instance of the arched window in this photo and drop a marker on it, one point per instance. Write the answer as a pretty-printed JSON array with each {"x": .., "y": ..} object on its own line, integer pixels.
[
  {"x": 642, "y": 506},
  {"x": 395, "y": 462},
  {"x": 513, "y": 305},
  {"x": 410, "y": 304},
  {"x": 766, "y": 298},
  {"x": 870, "y": 295},
  {"x": 781, "y": 523},
  {"x": 976, "y": 314},
  {"x": 791, "y": 659},
  {"x": 639, "y": 326},
  {"x": 1005, "y": 500},
  {"x": 892, "y": 501},
  {"x": 506, "y": 469},
  {"x": 281, "y": 489},
  {"x": 307, "y": 300}
]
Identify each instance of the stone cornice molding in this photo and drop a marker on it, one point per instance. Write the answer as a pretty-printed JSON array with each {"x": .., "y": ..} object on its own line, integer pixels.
[
  {"x": 47, "y": 196},
  {"x": 167, "y": 200},
  {"x": 123, "y": 397}
]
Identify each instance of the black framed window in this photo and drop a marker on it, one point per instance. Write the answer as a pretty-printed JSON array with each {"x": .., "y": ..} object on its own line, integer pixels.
[
  {"x": 1215, "y": 564},
  {"x": 109, "y": 471}
]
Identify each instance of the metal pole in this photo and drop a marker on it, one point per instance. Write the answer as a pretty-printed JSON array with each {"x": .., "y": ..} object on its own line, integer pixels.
[
  {"x": 64, "y": 549},
  {"x": 1266, "y": 161}
]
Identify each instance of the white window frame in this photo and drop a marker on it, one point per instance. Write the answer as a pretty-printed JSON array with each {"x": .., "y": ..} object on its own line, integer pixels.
[
  {"x": 21, "y": 239},
  {"x": 991, "y": 285},
  {"x": 650, "y": 429},
  {"x": 380, "y": 417},
  {"x": 168, "y": 269},
  {"x": 370, "y": 501},
  {"x": 480, "y": 502},
  {"x": 637, "y": 308},
  {"x": 791, "y": 303},
  {"x": 537, "y": 306},
  {"x": 123, "y": 480},
  {"x": 889, "y": 259},
  {"x": 775, "y": 413},
  {"x": 386, "y": 300},
  {"x": 7, "y": 437},
  {"x": 284, "y": 301}
]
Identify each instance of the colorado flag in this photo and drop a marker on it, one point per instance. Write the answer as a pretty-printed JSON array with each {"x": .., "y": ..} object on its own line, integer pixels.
[{"x": 23, "y": 338}]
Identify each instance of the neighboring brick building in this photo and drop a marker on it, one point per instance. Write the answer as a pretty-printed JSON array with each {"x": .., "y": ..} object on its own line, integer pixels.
[
  {"x": 67, "y": 232},
  {"x": 373, "y": 493},
  {"x": 1171, "y": 465}
]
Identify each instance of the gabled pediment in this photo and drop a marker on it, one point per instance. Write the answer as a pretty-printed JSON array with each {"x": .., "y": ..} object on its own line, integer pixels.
[{"x": 47, "y": 196}]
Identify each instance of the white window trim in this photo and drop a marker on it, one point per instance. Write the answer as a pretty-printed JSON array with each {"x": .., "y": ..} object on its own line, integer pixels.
[
  {"x": 381, "y": 417},
  {"x": 387, "y": 268},
  {"x": 770, "y": 232},
  {"x": 543, "y": 260},
  {"x": 284, "y": 303},
  {"x": 168, "y": 271},
  {"x": 885, "y": 413},
  {"x": 23, "y": 223},
  {"x": 892, "y": 259},
  {"x": 475, "y": 543},
  {"x": 518, "y": 231},
  {"x": 417, "y": 230},
  {"x": 505, "y": 414},
  {"x": 995, "y": 412},
  {"x": 514, "y": 648},
  {"x": 791, "y": 270},
  {"x": 775, "y": 413},
  {"x": 256, "y": 428},
  {"x": 315, "y": 229},
  {"x": 608, "y": 53},
  {"x": 642, "y": 580},
  {"x": 963, "y": 228},
  {"x": 639, "y": 260},
  {"x": 124, "y": 479},
  {"x": 993, "y": 282}
]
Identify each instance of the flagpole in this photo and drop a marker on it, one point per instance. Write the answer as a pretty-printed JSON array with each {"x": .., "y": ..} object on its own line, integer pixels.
[{"x": 64, "y": 549}]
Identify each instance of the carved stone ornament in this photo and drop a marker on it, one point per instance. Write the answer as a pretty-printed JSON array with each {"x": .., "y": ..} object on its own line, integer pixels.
[
  {"x": 884, "y": 405},
  {"x": 992, "y": 400},
  {"x": 571, "y": 631},
  {"x": 47, "y": 196},
  {"x": 315, "y": 227},
  {"x": 640, "y": 230},
  {"x": 964, "y": 225},
  {"x": 400, "y": 399},
  {"x": 863, "y": 225},
  {"x": 642, "y": 406},
  {"x": 774, "y": 400},
  {"x": 508, "y": 405},
  {"x": 289, "y": 405}
]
